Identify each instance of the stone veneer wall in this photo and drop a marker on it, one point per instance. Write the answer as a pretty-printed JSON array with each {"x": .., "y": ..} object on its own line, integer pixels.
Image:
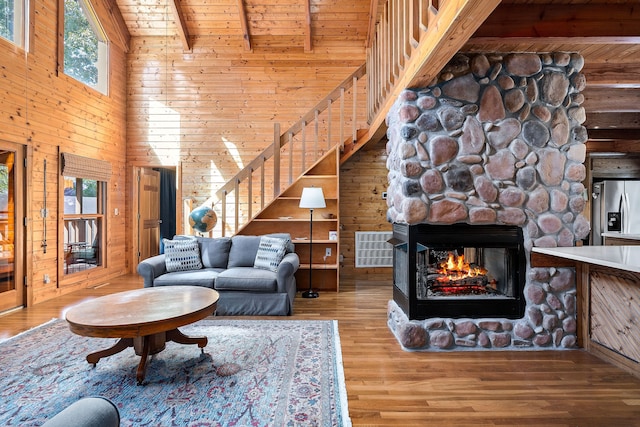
[{"x": 497, "y": 139}]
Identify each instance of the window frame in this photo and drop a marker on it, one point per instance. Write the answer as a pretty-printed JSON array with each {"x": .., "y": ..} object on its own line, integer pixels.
[
  {"x": 100, "y": 216},
  {"x": 22, "y": 27},
  {"x": 104, "y": 46}
]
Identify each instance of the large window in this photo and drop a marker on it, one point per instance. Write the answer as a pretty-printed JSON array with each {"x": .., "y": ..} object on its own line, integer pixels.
[
  {"x": 13, "y": 21},
  {"x": 83, "y": 223},
  {"x": 85, "y": 45}
]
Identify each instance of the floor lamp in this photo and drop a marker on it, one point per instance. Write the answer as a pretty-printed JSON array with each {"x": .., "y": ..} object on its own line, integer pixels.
[{"x": 312, "y": 198}]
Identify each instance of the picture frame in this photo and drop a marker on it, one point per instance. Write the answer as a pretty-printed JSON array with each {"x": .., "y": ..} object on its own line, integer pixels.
[{"x": 333, "y": 235}]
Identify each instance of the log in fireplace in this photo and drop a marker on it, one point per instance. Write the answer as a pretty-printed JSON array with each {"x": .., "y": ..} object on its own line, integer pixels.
[{"x": 459, "y": 270}]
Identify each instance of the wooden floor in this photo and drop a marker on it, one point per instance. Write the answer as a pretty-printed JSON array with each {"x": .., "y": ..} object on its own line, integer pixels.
[{"x": 388, "y": 386}]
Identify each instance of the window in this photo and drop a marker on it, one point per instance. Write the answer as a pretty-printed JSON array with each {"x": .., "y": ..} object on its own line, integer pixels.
[
  {"x": 13, "y": 21},
  {"x": 84, "y": 184},
  {"x": 85, "y": 45},
  {"x": 83, "y": 223}
]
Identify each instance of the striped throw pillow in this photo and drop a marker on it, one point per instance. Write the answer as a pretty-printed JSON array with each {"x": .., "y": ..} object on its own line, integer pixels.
[
  {"x": 182, "y": 255},
  {"x": 270, "y": 253}
]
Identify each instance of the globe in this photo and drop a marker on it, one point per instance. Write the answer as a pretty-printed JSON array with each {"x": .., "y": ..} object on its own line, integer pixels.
[{"x": 203, "y": 219}]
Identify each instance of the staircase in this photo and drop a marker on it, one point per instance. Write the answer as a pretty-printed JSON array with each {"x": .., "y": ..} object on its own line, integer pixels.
[{"x": 413, "y": 41}]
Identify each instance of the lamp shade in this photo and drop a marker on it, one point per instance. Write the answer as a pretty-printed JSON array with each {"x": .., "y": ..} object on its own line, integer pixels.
[{"x": 312, "y": 198}]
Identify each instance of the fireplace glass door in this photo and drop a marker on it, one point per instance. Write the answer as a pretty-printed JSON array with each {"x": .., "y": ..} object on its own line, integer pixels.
[
  {"x": 459, "y": 270},
  {"x": 464, "y": 272}
]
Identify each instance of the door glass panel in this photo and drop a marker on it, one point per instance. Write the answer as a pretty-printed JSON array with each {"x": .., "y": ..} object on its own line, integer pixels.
[{"x": 7, "y": 221}]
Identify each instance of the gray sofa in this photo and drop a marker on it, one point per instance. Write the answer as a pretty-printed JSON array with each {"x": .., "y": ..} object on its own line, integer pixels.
[{"x": 229, "y": 265}]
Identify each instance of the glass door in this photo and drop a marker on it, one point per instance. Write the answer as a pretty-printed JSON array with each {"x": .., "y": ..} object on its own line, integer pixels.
[{"x": 11, "y": 229}]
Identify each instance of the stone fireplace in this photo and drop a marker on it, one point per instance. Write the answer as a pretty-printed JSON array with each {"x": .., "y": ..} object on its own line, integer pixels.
[{"x": 484, "y": 164}]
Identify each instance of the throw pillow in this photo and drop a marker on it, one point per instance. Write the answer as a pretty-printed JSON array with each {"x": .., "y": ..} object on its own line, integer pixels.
[
  {"x": 182, "y": 254},
  {"x": 270, "y": 253}
]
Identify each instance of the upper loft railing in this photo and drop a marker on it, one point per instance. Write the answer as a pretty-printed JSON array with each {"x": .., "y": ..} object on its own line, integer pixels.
[{"x": 413, "y": 41}]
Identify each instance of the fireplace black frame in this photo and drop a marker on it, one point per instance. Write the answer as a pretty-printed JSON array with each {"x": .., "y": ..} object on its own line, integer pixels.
[{"x": 406, "y": 239}]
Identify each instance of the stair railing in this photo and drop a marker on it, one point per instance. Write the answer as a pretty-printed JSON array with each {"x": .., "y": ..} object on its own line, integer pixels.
[
  {"x": 408, "y": 35},
  {"x": 332, "y": 121}
]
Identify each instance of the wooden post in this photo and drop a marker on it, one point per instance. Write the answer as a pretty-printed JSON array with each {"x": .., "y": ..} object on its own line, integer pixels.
[{"x": 276, "y": 160}]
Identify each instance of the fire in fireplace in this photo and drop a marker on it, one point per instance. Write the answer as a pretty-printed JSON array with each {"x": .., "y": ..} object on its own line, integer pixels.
[{"x": 459, "y": 270}]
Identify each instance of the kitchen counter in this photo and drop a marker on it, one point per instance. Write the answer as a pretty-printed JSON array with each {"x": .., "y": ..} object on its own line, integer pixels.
[
  {"x": 607, "y": 298},
  {"x": 625, "y": 258}
]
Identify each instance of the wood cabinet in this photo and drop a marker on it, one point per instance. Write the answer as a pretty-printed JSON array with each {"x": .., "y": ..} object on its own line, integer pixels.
[{"x": 284, "y": 215}]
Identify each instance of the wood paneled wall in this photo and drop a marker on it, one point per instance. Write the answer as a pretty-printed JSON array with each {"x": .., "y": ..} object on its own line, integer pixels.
[
  {"x": 212, "y": 110},
  {"x": 50, "y": 113},
  {"x": 363, "y": 179}
]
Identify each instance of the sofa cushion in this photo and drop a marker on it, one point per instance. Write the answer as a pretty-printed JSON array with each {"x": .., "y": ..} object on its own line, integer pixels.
[
  {"x": 243, "y": 251},
  {"x": 246, "y": 279},
  {"x": 270, "y": 253},
  {"x": 182, "y": 254},
  {"x": 214, "y": 252},
  {"x": 204, "y": 277}
]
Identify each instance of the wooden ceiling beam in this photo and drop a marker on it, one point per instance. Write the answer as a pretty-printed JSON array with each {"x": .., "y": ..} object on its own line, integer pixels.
[
  {"x": 308, "y": 43},
  {"x": 181, "y": 24},
  {"x": 244, "y": 25},
  {"x": 600, "y": 21},
  {"x": 613, "y": 120},
  {"x": 617, "y": 75}
]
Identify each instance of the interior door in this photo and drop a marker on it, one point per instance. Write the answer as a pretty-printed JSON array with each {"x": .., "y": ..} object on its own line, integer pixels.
[
  {"x": 11, "y": 230},
  {"x": 149, "y": 213}
]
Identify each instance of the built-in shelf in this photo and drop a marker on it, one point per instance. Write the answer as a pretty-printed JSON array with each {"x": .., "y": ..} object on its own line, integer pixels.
[{"x": 285, "y": 215}]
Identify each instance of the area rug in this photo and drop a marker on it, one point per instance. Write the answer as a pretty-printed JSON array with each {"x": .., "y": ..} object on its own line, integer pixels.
[{"x": 252, "y": 373}]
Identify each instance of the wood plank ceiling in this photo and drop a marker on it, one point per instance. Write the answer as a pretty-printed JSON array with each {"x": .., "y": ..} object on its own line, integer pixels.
[{"x": 605, "y": 32}]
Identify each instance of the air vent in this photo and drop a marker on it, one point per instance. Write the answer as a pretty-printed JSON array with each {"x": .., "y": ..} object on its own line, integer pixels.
[{"x": 372, "y": 249}]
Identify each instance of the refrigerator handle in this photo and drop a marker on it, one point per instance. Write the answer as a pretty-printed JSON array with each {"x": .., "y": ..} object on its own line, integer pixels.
[{"x": 624, "y": 210}]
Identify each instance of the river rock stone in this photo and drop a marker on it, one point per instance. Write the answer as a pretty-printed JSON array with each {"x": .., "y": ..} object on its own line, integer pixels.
[
  {"x": 480, "y": 65},
  {"x": 459, "y": 178},
  {"x": 551, "y": 167},
  {"x": 451, "y": 118},
  {"x": 482, "y": 216},
  {"x": 428, "y": 122},
  {"x": 502, "y": 133},
  {"x": 523, "y": 64},
  {"x": 412, "y": 336},
  {"x": 485, "y": 189},
  {"x": 408, "y": 113},
  {"x": 447, "y": 212},
  {"x": 442, "y": 339},
  {"x": 491, "y": 105},
  {"x": 432, "y": 181},
  {"x": 560, "y": 127},
  {"x": 514, "y": 100},
  {"x": 442, "y": 149},
  {"x": 472, "y": 138},
  {"x": 512, "y": 197},
  {"x": 554, "y": 88},
  {"x": 501, "y": 166},
  {"x": 465, "y": 88},
  {"x": 535, "y": 133},
  {"x": 414, "y": 210}
]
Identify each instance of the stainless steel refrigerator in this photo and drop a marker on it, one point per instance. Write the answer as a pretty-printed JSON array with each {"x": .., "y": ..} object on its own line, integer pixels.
[{"x": 616, "y": 208}]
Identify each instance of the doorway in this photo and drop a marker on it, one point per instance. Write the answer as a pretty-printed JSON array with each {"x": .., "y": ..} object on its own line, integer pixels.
[
  {"x": 155, "y": 210},
  {"x": 12, "y": 196}
]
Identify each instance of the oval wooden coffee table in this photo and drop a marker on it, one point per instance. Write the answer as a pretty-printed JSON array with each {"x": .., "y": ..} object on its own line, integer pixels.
[{"x": 144, "y": 319}]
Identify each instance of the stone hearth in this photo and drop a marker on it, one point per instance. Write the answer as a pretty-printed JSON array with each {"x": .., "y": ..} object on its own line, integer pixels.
[{"x": 496, "y": 139}]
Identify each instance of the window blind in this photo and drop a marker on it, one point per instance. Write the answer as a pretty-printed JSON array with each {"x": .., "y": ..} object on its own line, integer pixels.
[{"x": 84, "y": 167}]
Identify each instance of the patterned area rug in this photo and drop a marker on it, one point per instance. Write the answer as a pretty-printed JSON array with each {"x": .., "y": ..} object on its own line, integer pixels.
[{"x": 253, "y": 373}]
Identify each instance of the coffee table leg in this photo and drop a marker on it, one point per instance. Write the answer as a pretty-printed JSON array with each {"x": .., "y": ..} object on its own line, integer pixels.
[
  {"x": 123, "y": 343},
  {"x": 176, "y": 336},
  {"x": 142, "y": 366}
]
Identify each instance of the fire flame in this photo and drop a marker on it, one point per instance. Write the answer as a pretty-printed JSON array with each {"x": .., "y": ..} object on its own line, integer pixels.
[{"x": 455, "y": 268}]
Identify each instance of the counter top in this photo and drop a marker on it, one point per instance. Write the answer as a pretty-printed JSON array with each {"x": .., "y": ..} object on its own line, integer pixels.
[
  {"x": 619, "y": 235},
  {"x": 625, "y": 258}
]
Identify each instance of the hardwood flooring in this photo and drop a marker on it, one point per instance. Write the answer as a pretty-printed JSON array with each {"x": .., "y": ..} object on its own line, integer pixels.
[{"x": 387, "y": 386}]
